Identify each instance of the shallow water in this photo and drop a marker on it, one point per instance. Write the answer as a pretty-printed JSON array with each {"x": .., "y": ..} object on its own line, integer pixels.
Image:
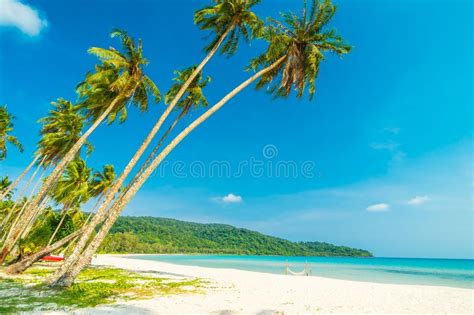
[{"x": 439, "y": 272}]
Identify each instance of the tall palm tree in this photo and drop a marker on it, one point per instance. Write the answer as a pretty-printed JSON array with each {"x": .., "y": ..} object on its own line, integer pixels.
[
  {"x": 72, "y": 190},
  {"x": 225, "y": 17},
  {"x": 228, "y": 20},
  {"x": 117, "y": 82},
  {"x": 6, "y": 127},
  {"x": 60, "y": 130},
  {"x": 302, "y": 37}
]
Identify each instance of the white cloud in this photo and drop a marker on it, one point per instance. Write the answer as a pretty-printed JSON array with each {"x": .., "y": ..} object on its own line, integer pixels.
[
  {"x": 14, "y": 13},
  {"x": 418, "y": 200},
  {"x": 379, "y": 207},
  {"x": 231, "y": 198}
]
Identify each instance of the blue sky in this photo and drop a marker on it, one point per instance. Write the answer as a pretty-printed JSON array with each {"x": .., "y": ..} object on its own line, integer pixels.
[{"x": 383, "y": 152}]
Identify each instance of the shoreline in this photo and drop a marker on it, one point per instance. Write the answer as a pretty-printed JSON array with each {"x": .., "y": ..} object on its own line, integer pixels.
[
  {"x": 334, "y": 275},
  {"x": 237, "y": 291}
]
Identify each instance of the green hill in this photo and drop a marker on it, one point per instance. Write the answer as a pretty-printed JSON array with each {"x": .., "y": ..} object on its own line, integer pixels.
[{"x": 150, "y": 235}]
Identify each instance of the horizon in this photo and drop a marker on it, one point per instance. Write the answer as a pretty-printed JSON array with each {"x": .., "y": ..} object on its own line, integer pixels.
[{"x": 380, "y": 159}]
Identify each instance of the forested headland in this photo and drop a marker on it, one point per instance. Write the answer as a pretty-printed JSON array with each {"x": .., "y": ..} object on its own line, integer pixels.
[{"x": 151, "y": 235}]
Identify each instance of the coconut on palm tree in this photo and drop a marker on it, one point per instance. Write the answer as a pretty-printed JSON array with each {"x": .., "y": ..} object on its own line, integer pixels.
[
  {"x": 6, "y": 127},
  {"x": 224, "y": 18},
  {"x": 295, "y": 47}
]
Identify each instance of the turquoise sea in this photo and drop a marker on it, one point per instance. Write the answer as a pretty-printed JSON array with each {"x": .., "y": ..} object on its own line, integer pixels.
[{"x": 440, "y": 272}]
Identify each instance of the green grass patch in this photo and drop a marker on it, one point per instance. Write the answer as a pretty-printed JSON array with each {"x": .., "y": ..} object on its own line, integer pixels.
[{"x": 94, "y": 286}]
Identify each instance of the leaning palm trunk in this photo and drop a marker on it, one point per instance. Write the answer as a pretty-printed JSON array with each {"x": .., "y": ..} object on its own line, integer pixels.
[
  {"x": 22, "y": 225},
  {"x": 31, "y": 224},
  {"x": 100, "y": 214},
  {"x": 32, "y": 208},
  {"x": 12, "y": 210},
  {"x": 19, "y": 178},
  {"x": 20, "y": 213},
  {"x": 28, "y": 261},
  {"x": 155, "y": 151},
  {"x": 67, "y": 278},
  {"x": 94, "y": 208}
]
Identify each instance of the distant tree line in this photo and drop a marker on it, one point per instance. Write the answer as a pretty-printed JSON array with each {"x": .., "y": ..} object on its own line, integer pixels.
[{"x": 150, "y": 235}]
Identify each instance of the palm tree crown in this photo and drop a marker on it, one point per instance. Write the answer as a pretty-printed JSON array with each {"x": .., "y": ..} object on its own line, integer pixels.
[
  {"x": 193, "y": 97},
  {"x": 302, "y": 39},
  {"x": 73, "y": 186},
  {"x": 6, "y": 127},
  {"x": 119, "y": 76},
  {"x": 103, "y": 181},
  {"x": 60, "y": 131},
  {"x": 230, "y": 14}
]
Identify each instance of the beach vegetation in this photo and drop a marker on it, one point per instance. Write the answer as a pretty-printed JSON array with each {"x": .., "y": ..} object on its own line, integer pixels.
[{"x": 94, "y": 286}]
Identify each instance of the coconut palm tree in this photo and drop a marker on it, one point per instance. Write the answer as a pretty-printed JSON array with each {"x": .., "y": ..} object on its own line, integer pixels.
[
  {"x": 295, "y": 46},
  {"x": 234, "y": 16},
  {"x": 60, "y": 130},
  {"x": 228, "y": 21},
  {"x": 117, "y": 82},
  {"x": 223, "y": 18},
  {"x": 103, "y": 180},
  {"x": 6, "y": 127},
  {"x": 72, "y": 190},
  {"x": 303, "y": 40}
]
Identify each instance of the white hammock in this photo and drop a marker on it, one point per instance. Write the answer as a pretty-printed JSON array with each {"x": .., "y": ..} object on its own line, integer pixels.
[{"x": 306, "y": 271}]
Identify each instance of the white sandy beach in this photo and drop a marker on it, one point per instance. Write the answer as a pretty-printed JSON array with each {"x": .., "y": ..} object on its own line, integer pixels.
[{"x": 243, "y": 292}]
